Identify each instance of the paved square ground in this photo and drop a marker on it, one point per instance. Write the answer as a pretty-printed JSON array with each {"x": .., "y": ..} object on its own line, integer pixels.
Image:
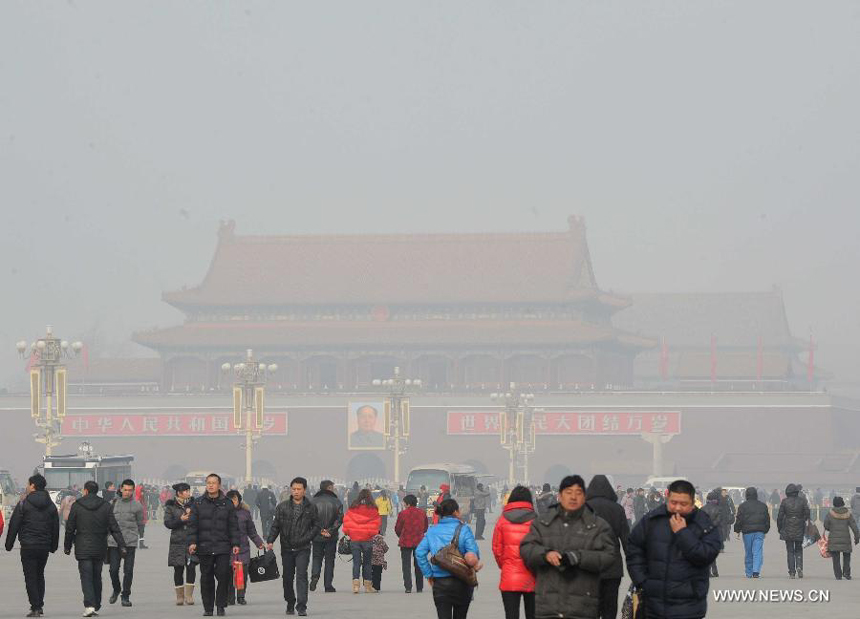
[{"x": 153, "y": 595}]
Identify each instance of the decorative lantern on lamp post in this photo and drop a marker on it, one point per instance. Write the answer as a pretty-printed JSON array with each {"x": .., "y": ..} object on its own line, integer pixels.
[
  {"x": 396, "y": 415},
  {"x": 48, "y": 379},
  {"x": 517, "y": 431},
  {"x": 249, "y": 402}
]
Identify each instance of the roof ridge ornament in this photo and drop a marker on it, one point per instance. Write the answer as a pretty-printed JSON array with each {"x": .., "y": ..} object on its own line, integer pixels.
[{"x": 227, "y": 229}]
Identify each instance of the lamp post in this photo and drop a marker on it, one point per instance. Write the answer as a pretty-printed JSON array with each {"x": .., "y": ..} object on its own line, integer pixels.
[
  {"x": 249, "y": 402},
  {"x": 48, "y": 379},
  {"x": 396, "y": 415},
  {"x": 517, "y": 430}
]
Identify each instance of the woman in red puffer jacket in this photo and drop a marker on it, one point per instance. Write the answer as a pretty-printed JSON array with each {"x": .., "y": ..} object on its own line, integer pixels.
[
  {"x": 511, "y": 528},
  {"x": 361, "y": 524}
]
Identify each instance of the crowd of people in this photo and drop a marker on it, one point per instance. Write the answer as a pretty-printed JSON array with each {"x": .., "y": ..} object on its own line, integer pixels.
[{"x": 561, "y": 550}]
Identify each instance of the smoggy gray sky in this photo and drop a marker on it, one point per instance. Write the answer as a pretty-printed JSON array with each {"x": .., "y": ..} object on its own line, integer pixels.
[{"x": 711, "y": 146}]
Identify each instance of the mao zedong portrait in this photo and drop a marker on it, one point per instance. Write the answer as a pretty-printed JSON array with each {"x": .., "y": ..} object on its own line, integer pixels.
[{"x": 366, "y": 436}]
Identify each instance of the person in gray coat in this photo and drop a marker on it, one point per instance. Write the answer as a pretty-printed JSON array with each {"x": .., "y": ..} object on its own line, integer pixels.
[
  {"x": 480, "y": 502},
  {"x": 130, "y": 518},
  {"x": 177, "y": 511},
  {"x": 567, "y": 549},
  {"x": 855, "y": 506},
  {"x": 791, "y": 523},
  {"x": 840, "y": 523}
]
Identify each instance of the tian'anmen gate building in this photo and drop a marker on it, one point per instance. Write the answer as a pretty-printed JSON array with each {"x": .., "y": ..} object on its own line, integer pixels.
[
  {"x": 462, "y": 312},
  {"x": 721, "y": 385}
]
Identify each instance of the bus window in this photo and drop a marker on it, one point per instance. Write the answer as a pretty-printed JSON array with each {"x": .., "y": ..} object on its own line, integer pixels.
[{"x": 429, "y": 478}]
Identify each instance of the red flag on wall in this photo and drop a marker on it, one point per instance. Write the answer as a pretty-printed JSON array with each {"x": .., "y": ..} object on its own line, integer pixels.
[
  {"x": 759, "y": 369},
  {"x": 31, "y": 361},
  {"x": 713, "y": 358},
  {"x": 664, "y": 360}
]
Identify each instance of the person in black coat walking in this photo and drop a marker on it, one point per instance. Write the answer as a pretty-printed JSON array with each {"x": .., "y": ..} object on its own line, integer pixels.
[
  {"x": 602, "y": 499},
  {"x": 791, "y": 523},
  {"x": 727, "y": 513},
  {"x": 177, "y": 513},
  {"x": 712, "y": 509},
  {"x": 36, "y": 524},
  {"x": 266, "y": 503},
  {"x": 297, "y": 524},
  {"x": 330, "y": 513},
  {"x": 753, "y": 520},
  {"x": 668, "y": 555},
  {"x": 212, "y": 533},
  {"x": 90, "y": 521}
]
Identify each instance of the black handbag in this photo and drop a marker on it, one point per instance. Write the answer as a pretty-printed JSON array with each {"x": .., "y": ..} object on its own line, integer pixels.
[
  {"x": 263, "y": 567},
  {"x": 344, "y": 546}
]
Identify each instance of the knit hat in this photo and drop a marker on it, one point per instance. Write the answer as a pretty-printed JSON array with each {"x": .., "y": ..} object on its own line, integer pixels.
[
  {"x": 571, "y": 480},
  {"x": 838, "y": 502},
  {"x": 181, "y": 486}
]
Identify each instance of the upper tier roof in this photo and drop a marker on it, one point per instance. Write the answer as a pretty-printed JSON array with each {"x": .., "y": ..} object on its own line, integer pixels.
[
  {"x": 688, "y": 320},
  {"x": 397, "y": 269}
]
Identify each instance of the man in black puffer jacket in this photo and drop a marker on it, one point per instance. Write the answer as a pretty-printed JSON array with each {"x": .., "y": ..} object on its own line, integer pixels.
[
  {"x": 330, "y": 514},
  {"x": 669, "y": 553},
  {"x": 36, "y": 524},
  {"x": 212, "y": 533},
  {"x": 602, "y": 499},
  {"x": 753, "y": 520},
  {"x": 791, "y": 524},
  {"x": 90, "y": 520}
]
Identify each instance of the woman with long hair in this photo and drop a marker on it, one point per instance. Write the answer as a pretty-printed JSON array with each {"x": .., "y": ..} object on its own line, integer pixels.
[
  {"x": 451, "y": 595},
  {"x": 516, "y": 580},
  {"x": 361, "y": 523}
]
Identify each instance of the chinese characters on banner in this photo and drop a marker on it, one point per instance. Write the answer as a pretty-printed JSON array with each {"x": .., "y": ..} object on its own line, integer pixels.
[
  {"x": 568, "y": 422},
  {"x": 193, "y": 424}
]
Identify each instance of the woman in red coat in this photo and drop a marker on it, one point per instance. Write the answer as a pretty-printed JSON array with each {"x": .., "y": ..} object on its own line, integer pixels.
[
  {"x": 361, "y": 523},
  {"x": 511, "y": 528}
]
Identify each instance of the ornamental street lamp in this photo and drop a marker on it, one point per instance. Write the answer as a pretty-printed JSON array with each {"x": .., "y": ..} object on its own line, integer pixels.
[
  {"x": 396, "y": 414},
  {"x": 248, "y": 402},
  {"x": 48, "y": 379},
  {"x": 517, "y": 431}
]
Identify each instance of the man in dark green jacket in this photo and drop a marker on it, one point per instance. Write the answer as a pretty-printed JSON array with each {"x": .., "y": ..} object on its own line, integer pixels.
[{"x": 567, "y": 548}]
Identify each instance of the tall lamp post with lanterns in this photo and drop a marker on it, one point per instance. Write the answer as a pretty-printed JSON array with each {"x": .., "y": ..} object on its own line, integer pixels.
[
  {"x": 48, "y": 379},
  {"x": 249, "y": 402},
  {"x": 396, "y": 415},
  {"x": 517, "y": 431}
]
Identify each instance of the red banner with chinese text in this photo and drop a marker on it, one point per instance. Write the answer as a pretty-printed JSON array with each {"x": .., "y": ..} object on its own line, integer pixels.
[
  {"x": 567, "y": 422},
  {"x": 196, "y": 424}
]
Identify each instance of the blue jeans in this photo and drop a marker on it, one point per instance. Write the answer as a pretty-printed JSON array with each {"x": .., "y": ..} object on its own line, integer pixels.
[
  {"x": 753, "y": 552},
  {"x": 361, "y": 557}
]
